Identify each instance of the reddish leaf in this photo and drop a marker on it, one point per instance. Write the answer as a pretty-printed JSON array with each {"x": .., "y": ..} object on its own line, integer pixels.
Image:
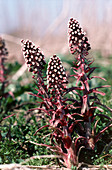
[
  {"x": 91, "y": 62},
  {"x": 71, "y": 128},
  {"x": 8, "y": 116},
  {"x": 96, "y": 107},
  {"x": 96, "y": 91},
  {"x": 92, "y": 70},
  {"x": 78, "y": 114},
  {"x": 41, "y": 144},
  {"x": 104, "y": 116},
  {"x": 11, "y": 94},
  {"x": 7, "y": 94},
  {"x": 36, "y": 95},
  {"x": 87, "y": 85},
  {"x": 103, "y": 105},
  {"x": 41, "y": 129},
  {"x": 84, "y": 106},
  {"x": 88, "y": 114},
  {"x": 71, "y": 115},
  {"x": 0, "y": 136},
  {"x": 79, "y": 138},
  {"x": 101, "y": 132},
  {"x": 41, "y": 110},
  {"x": 67, "y": 142},
  {"x": 54, "y": 123},
  {"x": 98, "y": 78},
  {"x": 63, "y": 122},
  {"x": 94, "y": 129}
]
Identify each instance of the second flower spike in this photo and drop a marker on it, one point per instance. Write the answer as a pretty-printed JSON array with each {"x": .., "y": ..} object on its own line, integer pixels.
[{"x": 56, "y": 76}]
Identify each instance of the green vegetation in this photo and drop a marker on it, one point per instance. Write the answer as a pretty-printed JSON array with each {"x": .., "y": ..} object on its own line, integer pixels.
[{"x": 17, "y": 131}]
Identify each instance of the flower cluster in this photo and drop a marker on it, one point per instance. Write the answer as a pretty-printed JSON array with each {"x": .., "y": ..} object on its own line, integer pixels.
[
  {"x": 78, "y": 42},
  {"x": 3, "y": 50},
  {"x": 56, "y": 76},
  {"x": 3, "y": 53},
  {"x": 33, "y": 56}
]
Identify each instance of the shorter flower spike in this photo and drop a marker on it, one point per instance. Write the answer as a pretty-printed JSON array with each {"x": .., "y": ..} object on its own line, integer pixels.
[
  {"x": 78, "y": 42},
  {"x": 3, "y": 54},
  {"x": 3, "y": 50},
  {"x": 56, "y": 76},
  {"x": 33, "y": 56}
]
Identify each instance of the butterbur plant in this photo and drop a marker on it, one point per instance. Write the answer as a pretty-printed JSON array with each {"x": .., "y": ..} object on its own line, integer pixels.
[
  {"x": 3, "y": 74},
  {"x": 5, "y": 94},
  {"x": 3, "y": 54},
  {"x": 80, "y": 46},
  {"x": 72, "y": 121}
]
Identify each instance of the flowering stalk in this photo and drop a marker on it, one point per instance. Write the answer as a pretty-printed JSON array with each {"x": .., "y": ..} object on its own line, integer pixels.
[
  {"x": 80, "y": 46},
  {"x": 3, "y": 80},
  {"x": 55, "y": 105},
  {"x": 35, "y": 62},
  {"x": 3, "y": 54},
  {"x": 57, "y": 80}
]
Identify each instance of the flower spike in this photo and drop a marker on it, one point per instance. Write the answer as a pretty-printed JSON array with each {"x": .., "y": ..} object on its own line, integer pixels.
[
  {"x": 78, "y": 42},
  {"x": 3, "y": 54},
  {"x": 56, "y": 76},
  {"x": 3, "y": 50},
  {"x": 33, "y": 56}
]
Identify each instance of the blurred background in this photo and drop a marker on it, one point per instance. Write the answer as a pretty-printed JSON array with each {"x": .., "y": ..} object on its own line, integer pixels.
[{"x": 45, "y": 23}]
